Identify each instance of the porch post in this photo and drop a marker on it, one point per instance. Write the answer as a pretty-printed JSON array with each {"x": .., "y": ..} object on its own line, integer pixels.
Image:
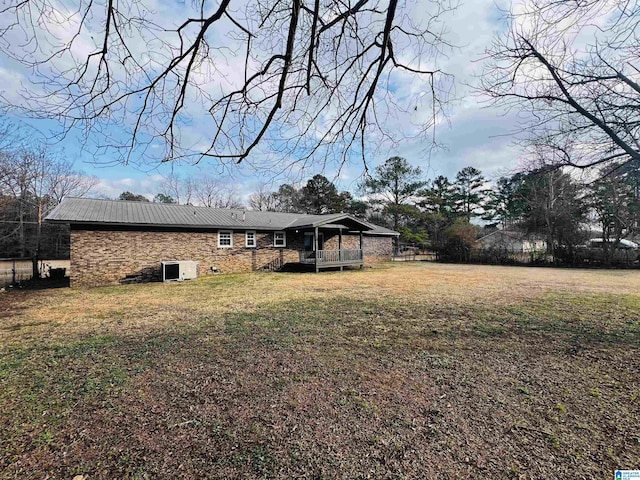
[
  {"x": 315, "y": 246},
  {"x": 361, "y": 251},
  {"x": 340, "y": 247}
]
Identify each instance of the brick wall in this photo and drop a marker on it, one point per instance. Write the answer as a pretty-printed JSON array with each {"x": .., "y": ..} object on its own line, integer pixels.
[
  {"x": 107, "y": 257},
  {"x": 377, "y": 249}
]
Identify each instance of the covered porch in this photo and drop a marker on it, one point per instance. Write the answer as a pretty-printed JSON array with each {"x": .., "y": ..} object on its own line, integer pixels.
[{"x": 320, "y": 253}]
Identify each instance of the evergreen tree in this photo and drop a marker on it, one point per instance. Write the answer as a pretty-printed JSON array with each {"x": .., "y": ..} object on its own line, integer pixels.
[
  {"x": 320, "y": 196},
  {"x": 438, "y": 204},
  {"x": 504, "y": 205},
  {"x": 132, "y": 197},
  {"x": 393, "y": 187},
  {"x": 287, "y": 199},
  {"x": 470, "y": 192},
  {"x": 162, "y": 198}
]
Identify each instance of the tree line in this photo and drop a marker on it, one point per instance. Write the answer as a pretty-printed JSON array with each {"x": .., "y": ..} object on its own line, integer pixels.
[
  {"x": 32, "y": 182},
  {"x": 448, "y": 215},
  {"x": 443, "y": 214}
]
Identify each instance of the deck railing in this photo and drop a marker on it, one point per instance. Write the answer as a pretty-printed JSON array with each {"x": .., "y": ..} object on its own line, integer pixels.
[{"x": 325, "y": 257}]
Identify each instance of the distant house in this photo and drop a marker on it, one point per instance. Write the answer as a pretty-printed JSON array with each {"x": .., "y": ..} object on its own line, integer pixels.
[
  {"x": 112, "y": 241},
  {"x": 511, "y": 242}
]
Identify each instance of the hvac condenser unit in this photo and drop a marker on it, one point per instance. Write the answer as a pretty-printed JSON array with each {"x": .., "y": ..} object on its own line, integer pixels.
[{"x": 176, "y": 271}]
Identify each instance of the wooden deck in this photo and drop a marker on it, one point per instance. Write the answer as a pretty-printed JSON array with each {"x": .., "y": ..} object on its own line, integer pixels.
[{"x": 331, "y": 258}]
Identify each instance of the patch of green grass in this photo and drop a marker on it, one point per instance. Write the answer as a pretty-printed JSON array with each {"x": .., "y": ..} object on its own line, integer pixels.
[
  {"x": 436, "y": 361},
  {"x": 101, "y": 381},
  {"x": 586, "y": 317},
  {"x": 45, "y": 438},
  {"x": 258, "y": 458},
  {"x": 485, "y": 330},
  {"x": 553, "y": 440},
  {"x": 90, "y": 345},
  {"x": 238, "y": 324},
  {"x": 11, "y": 360}
]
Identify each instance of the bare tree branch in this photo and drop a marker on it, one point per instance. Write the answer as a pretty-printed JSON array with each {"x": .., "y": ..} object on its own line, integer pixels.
[
  {"x": 314, "y": 84},
  {"x": 577, "y": 92}
]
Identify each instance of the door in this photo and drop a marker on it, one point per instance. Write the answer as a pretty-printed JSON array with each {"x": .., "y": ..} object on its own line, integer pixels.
[{"x": 308, "y": 241}]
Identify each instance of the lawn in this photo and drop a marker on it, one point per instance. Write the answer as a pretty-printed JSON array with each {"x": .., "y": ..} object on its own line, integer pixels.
[{"x": 402, "y": 371}]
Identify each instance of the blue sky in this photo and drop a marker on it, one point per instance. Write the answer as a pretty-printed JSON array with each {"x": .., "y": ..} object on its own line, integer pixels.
[{"x": 473, "y": 135}]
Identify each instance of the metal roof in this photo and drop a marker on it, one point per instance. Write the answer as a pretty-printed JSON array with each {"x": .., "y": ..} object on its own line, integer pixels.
[
  {"x": 511, "y": 234},
  {"x": 117, "y": 212}
]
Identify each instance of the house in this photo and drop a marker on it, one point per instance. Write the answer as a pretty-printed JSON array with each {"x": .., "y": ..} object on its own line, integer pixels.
[
  {"x": 511, "y": 242},
  {"x": 115, "y": 240}
]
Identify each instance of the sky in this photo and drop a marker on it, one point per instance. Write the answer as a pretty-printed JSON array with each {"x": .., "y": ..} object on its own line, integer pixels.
[{"x": 473, "y": 133}]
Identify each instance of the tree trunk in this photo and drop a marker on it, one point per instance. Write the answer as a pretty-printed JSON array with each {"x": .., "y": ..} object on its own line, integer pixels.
[
  {"x": 36, "y": 253},
  {"x": 21, "y": 235}
]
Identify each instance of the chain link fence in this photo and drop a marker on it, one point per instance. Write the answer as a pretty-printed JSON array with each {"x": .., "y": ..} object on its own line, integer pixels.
[{"x": 17, "y": 270}]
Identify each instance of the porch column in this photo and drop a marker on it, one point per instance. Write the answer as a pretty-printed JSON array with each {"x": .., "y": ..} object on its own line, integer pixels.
[
  {"x": 361, "y": 251},
  {"x": 340, "y": 247},
  {"x": 315, "y": 246}
]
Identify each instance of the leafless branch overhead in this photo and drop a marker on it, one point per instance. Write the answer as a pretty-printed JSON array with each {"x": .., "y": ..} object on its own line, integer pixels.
[
  {"x": 574, "y": 68},
  {"x": 311, "y": 80}
]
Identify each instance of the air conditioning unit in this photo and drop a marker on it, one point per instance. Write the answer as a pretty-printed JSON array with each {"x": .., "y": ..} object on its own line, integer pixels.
[{"x": 179, "y": 270}]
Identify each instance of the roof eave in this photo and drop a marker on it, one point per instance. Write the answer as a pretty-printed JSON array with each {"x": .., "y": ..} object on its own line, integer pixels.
[
  {"x": 334, "y": 219},
  {"x": 384, "y": 234}
]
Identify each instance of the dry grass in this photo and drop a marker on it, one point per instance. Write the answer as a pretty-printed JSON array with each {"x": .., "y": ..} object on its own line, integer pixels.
[{"x": 406, "y": 371}]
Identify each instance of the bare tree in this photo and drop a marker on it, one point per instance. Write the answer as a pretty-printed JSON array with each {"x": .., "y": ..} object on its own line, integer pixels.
[
  {"x": 615, "y": 204},
  {"x": 17, "y": 178},
  {"x": 312, "y": 80},
  {"x": 33, "y": 182},
  {"x": 574, "y": 67},
  {"x": 63, "y": 181},
  {"x": 227, "y": 199},
  {"x": 263, "y": 200},
  {"x": 180, "y": 189},
  {"x": 211, "y": 192}
]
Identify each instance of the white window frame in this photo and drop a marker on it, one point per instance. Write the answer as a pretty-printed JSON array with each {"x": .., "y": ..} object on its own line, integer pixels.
[
  {"x": 246, "y": 239},
  {"x": 284, "y": 239},
  {"x": 230, "y": 232}
]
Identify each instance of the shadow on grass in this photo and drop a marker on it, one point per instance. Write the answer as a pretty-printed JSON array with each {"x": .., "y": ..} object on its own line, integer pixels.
[{"x": 607, "y": 319}]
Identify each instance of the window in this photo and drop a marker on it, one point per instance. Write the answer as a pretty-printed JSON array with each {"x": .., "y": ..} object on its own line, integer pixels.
[
  {"x": 279, "y": 239},
  {"x": 225, "y": 239},
  {"x": 250, "y": 239}
]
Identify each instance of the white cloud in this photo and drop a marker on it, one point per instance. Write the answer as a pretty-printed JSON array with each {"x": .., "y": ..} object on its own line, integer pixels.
[
  {"x": 10, "y": 85},
  {"x": 112, "y": 188},
  {"x": 471, "y": 139}
]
